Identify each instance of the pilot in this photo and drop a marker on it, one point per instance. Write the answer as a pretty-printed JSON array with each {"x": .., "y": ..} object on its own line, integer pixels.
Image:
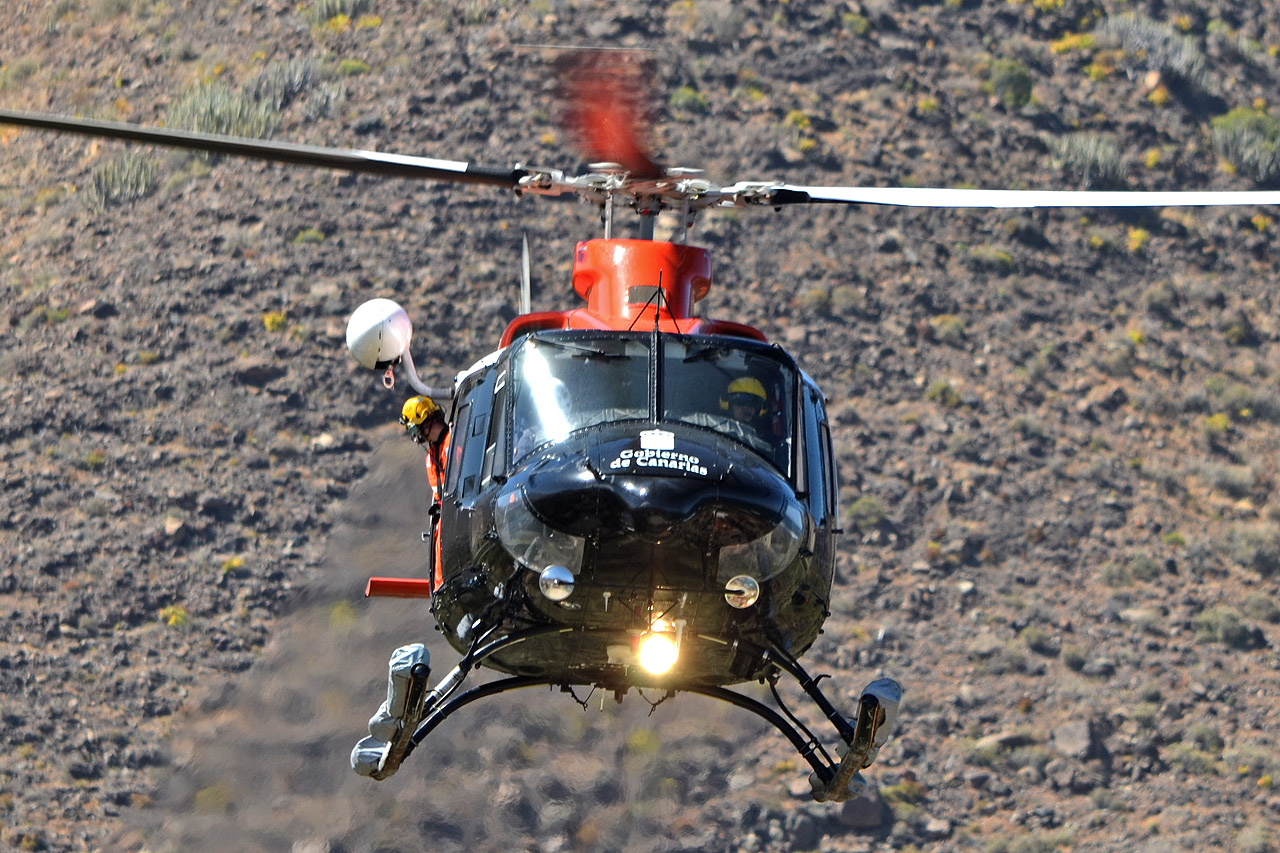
[{"x": 746, "y": 400}]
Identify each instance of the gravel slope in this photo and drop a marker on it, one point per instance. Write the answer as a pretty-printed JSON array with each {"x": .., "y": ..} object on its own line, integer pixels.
[{"x": 1057, "y": 430}]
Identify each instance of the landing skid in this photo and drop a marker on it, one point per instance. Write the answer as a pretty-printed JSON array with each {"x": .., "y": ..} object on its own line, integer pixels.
[{"x": 860, "y": 738}]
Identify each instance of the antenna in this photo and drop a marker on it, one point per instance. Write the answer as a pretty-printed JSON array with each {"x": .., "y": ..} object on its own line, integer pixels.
[{"x": 526, "y": 282}]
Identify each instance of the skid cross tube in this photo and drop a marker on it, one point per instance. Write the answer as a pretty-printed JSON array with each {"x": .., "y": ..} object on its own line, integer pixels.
[
  {"x": 480, "y": 650},
  {"x": 808, "y": 748},
  {"x": 426, "y": 704},
  {"x": 481, "y": 691}
]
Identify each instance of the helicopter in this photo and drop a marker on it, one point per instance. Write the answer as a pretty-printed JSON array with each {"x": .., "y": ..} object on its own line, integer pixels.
[{"x": 631, "y": 496}]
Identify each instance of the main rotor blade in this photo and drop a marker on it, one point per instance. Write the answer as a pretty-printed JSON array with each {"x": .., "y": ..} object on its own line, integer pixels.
[
  {"x": 351, "y": 160},
  {"x": 961, "y": 198}
]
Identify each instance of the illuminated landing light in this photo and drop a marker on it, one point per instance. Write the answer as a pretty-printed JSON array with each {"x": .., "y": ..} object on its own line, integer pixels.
[{"x": 658, "y": 652}]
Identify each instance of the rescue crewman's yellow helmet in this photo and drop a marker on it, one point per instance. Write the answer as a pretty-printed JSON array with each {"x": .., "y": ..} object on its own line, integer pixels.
[
  {"x": 418, "y": 410},
  {"x": 417, "y": 415}
]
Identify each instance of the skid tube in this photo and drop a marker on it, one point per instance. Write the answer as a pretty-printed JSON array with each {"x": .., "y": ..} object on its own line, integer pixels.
[
  {"x": 434, "y": 705},
  {"x": 860, "y": 738}
]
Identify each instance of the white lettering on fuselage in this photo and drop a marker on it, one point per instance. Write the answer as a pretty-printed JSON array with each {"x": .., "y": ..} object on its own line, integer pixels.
[{"x": 649, "y": 459}]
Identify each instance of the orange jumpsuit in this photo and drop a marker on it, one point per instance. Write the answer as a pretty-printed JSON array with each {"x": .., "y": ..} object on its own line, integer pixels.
[{"x": 437, "y": 453}]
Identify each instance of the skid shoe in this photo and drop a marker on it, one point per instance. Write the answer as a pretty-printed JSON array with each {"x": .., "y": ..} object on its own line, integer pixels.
[
  {"x": 875, "y": 721},
  {"x": 392, "y": 725}
]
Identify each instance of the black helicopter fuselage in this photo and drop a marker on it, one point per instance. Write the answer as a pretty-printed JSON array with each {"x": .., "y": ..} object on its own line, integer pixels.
[{"x": 599, "y": 490}]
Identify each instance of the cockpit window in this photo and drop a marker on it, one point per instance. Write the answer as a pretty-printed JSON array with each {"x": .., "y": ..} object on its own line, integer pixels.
[
  {"x": 562, "y": 385},
  {"x": 740, "y": 389},
  {"x": 735, "y": 389}
]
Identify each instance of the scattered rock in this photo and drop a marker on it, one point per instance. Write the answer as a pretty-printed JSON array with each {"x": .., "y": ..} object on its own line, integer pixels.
[
  {"x": 866, "y": 811},
  {"x": 1076, "y": 739},
  {"x": 984, "y": 646},
  {"x": 258, "y": 371},
  {"x": 936, "y": 828}
]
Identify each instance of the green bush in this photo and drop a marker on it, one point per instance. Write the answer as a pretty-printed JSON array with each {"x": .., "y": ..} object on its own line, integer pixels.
[
  {"x": 1010, "y": 81},
  {"x": 18, "y": 71},
  {"x": 846, "y": 299},
  {"x": 1153, "y": 44},
  {"x": 1257, "y": 547},
  {"x": 857, "y": 25},
  {"x": 1115, "y": 575},
  {"x": 325, "y": 10},
  {"x": 1195, "y": 761},
  {"x": 1223, "y": 624},
  {"x": 1205, "y": 737},
  {"x": 215, "y": 108},
  {"x": 1144, "y": 715},
  {"x": 280, "y": 83},
  {"x": 218, "y": 798},
  {"x": 1255, "y": 838},
  {"x": 906, "y": 791},
  {"x": 128, "y": 177},
  {"x": 1215, "y": 429},
  {"x": 987, "y": 258},
  {"x": 1234, "y": 481},
  {"x": 1160, "y": 300},
  {"x": 1250, "y": 402},
  {"x": 815, "y": 300},
  {"x": 948, "y": 328},
  {"x": 1251, "y": 759},
  {"x": 687, "y": 99},
  {"x": 1144, "y": 568},
  {"x": 324, "y": 100},
  {"x": 1074, "y": 657},
  {"x": 1249, "y": 140},
  {"x": 1258, "y": 606},
  {"x": 867, "y": 512},
  {"x": 1039, "y": 640},
  {"x": 1092, "y": 159},
  {"x": 353, "y": 67},
  {"x": 944, "y": 394}
]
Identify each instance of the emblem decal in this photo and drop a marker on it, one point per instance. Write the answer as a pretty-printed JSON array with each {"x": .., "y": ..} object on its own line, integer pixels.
[{"x": 657, "y": 439}]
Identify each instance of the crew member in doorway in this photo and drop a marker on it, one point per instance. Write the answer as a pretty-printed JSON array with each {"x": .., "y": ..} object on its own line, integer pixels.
[{"x": 424, "y": 422}]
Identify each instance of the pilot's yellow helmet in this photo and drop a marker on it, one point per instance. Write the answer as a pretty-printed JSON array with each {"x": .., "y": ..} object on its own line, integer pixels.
[{"x": 745, "y": 390}]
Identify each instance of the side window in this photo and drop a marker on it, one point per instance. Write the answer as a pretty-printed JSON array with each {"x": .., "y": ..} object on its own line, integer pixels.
[
  {"x": 469, "y": 433},
  {"x": 494, "y": 462},
  {"x": 829, "y": 457},
  {"x": 816, "y": 457},
  {"x": 457, "y": 444}
]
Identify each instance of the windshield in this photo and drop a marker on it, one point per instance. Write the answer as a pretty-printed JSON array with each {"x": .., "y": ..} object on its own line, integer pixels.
[
  {"x": 566, "y": 385},
  {"x": 737, "y": 389}
]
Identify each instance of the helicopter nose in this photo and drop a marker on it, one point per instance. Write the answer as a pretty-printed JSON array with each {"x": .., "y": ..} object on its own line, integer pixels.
[
  {"x": 683, "y": 494},
  {"x": 653, "y": 507}
]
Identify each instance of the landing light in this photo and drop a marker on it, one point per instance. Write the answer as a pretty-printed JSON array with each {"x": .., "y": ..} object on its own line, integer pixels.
[{"x": 658, "y": 652}]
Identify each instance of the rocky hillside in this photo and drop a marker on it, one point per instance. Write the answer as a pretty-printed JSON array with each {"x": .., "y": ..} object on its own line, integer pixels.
[{"x": 1057, "y": 430}]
